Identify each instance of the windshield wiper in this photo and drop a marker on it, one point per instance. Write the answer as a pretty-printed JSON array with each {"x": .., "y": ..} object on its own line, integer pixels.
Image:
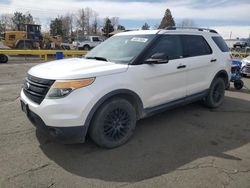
[{"x": 98, "y": 58}]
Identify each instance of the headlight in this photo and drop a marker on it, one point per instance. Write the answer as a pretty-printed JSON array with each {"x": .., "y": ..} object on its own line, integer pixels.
[{"x": 62, "y": 88}]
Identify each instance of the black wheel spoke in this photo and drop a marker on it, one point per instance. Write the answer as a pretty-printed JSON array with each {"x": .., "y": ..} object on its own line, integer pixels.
[{"x": 116, "y": 124}]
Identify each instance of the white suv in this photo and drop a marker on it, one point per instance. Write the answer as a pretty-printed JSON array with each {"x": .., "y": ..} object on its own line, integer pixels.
[{"x": 130, "y": 76}]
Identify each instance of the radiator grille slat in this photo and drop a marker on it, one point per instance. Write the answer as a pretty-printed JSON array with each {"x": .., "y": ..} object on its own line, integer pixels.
[{"x": 36, "y": 88}]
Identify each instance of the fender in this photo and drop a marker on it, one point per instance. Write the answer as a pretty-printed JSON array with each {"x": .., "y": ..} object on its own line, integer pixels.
[
  {"x": 119, "y": 92},
  {"x": 224, "y": 75}
]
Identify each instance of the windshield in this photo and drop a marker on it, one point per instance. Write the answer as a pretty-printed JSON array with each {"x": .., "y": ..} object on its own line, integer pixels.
[{"x": 120, "y": 49}]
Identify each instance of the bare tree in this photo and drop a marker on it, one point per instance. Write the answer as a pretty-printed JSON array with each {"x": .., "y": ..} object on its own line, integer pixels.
[
  {"x": 187, "y": 23},
  {"x": 88, "y": 16},
  {"x": 114, "y": 22},
  {"x": 37, "y": 20},
  {"x": 81, "y": 21},
  {"x": 67, "y": 25},
  {"x": 145, "y": 27},
  {"x": 87, "y": 21},
  {"x": 95, "y": 23},
  {"x": 6, "y": 22},
  {"x": 156, "y": 26}
]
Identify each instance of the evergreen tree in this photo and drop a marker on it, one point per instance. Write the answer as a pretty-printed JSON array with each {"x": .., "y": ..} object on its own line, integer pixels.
[
  {"x": 145, "y": 27},
  {"x": 108, "y": 27},
  {"x": 167, "y": 20},
  {"x": 56, "y": 27},
  {"x": 19, "y": 19}
]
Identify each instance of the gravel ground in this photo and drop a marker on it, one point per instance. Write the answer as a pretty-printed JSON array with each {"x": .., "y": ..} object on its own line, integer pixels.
[{"x": 191, "y": 146}]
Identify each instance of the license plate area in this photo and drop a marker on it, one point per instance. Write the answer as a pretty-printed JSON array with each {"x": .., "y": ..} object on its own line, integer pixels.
[{"x": 25, "y": 108}]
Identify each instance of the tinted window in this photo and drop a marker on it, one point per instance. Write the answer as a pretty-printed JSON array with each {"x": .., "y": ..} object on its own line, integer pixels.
[
  {"x": 12, "y": 37},
  {"x": 195, "y": 45},
  {"x": 221, "y": 44},
  {"x": 121, "y": 48},
  {"x": 95, "y": 39},
  {"x": 170, "y": 45}
]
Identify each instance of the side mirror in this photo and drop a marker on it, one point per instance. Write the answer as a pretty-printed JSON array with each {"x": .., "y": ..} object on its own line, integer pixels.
[{"x": 157, "y": 58}]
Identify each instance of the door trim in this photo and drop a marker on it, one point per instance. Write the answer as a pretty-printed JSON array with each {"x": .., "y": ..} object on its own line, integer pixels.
[{"x": 179, "y": 102}]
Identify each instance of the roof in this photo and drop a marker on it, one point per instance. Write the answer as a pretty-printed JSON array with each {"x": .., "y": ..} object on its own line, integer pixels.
[
  {"x": 116, "y": 32},
  {"x": 139, "y": 32},
  {"x": 174, "y": 30}
]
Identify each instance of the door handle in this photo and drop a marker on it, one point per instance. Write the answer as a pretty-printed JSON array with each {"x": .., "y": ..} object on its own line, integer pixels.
[
  {"x": 181, "y": 67},
  {"x": 213, "y": 60}
]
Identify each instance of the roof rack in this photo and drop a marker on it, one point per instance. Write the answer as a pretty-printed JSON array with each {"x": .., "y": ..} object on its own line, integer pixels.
[{"x": 194, "y": 28}]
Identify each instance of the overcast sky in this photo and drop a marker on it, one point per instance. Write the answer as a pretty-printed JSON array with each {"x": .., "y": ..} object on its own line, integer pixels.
[{"x": 224, "y": 15}]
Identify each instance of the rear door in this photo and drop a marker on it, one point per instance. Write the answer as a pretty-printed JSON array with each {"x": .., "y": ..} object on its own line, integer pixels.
[{"x": 199, "y": 59}]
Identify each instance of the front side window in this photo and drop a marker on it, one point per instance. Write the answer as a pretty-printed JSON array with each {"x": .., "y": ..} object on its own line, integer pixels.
[
  {"x": 121, "y": 49},
  {"x": 169, "y": 45},
  {"x": 195, "y": 45}
]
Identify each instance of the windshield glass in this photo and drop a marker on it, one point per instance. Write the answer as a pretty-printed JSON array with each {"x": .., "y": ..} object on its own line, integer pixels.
[{"x": 121, "y": 49}]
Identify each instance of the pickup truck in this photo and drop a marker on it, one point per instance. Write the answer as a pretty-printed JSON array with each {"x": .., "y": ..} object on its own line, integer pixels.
[
  {"x": 89, "y": 42},
  {"x": 242, "y": 43}
]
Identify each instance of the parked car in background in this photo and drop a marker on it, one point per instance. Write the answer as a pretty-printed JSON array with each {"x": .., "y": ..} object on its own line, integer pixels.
[
  {"x": 242, "y": 43},
  {"x": 88, "y": 42},
  {"x": 245, "y": 66}
]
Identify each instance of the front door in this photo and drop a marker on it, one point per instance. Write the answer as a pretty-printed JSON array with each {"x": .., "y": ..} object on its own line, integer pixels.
[{"x": 166, "y": 82}]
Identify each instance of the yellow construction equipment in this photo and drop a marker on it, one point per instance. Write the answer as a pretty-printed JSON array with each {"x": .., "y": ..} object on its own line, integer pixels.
[{"x": 31, "y": 38}]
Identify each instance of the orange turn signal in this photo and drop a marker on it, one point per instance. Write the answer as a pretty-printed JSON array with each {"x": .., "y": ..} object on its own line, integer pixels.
[{"x": 73, "y": 83}]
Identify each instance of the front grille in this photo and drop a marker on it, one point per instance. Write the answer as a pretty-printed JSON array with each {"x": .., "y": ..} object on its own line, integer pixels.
[{"x": 36, "y": 88}]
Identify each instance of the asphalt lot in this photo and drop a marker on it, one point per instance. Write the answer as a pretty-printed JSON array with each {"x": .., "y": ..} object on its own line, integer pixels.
[{"x": 190, "y": 146}]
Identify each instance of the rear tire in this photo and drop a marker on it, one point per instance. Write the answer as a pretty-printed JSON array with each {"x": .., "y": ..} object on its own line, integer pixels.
[
  {"x": 238, "y": 84},
  {"x": 86, "y": 47},
  {"x": 216, "y": 93},
  {"x": 113, "y": 124}
]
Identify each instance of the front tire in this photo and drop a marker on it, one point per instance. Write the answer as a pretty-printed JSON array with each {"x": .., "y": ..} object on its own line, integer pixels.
[
  {"x": 216, "y": 93},
  {"x": 3, "y": 58},
  {"x": 113, "y": 123}
]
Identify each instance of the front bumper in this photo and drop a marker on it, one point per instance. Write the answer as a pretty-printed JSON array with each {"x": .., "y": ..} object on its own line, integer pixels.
[
  {"x": 68, "y": 111},
  {"x": 62, "y": 119},
  {"x": 66, "y": 135},
  {"x": 246, "y": 70}
]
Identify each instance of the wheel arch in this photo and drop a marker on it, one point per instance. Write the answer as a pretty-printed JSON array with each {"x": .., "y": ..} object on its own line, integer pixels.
[
  {"x": 86, "y": 45},
  {"x": 127, "y": 94},
  {"x": 222, "y": 74}
]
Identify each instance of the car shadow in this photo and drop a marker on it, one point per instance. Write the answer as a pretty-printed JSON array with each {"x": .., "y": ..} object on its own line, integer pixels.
[
  {"x": 243, "y": 90},
  {"x": 161, "y": 143}
]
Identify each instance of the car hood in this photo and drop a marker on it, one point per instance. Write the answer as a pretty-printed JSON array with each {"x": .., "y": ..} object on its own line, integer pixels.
[
  {"x": 76, "y": 68},
  {"x": 245, "y": 61}
]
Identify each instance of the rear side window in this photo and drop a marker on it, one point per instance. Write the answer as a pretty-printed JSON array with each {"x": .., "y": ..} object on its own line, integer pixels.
[
  {"x": 221, "y": 44},
  {"x": 95, "y": 39},
  {"x": 195, "y": 45}
]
